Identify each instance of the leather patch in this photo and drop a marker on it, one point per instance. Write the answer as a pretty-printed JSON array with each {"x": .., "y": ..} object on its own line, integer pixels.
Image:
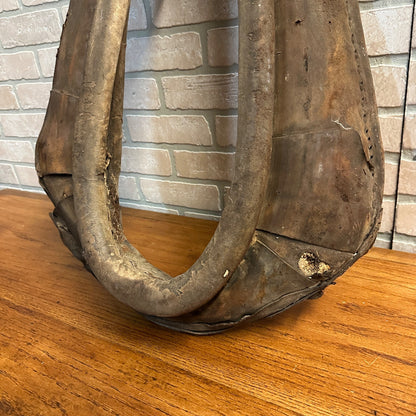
[{"x": 320, "y": 189}]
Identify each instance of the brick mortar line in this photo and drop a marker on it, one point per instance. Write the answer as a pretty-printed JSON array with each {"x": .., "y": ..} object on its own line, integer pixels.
[
  {"x": 406, "y": 239},
  {"x": 194, "y": 148},
  {"x": 138, "y": 187},
  {"x": 155, "y": 208},
  {"x": 28, "y": 48},
  {"x": 37, "y": 7},
  {"x": 407, "y": 155},
  {"x": 21, "y": 111},
  {"x": 201, "y": 70},
  {"x": 38, "y": 63},
  {"x": 411, "y": 109},
  {"x": 407, "y": 199},
  {"x": 211, "y": 120},
  {"x": 388, "y": 198},
  {"x": 391, "y": 111},
  {"x": 399, "y": 59},
  {"x": 174, "y": 30},
  {"x": 178, "y": 179},
  {"x": 21, "y": 139},
  {"x": 383, "y": 235},
  {"x": 183, "y": 112},
  {"x": 382, "y": 4},
  {"x": 148, "y": 14},
  {"x": 23, "y": 164},
  {"x": 174, "y": 175}
]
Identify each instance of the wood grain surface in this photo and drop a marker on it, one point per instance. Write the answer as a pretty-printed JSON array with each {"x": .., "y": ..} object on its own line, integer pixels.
[{"x": 67, "y": 347}]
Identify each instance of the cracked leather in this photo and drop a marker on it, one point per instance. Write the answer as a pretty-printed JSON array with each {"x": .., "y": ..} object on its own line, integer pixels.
[{"x": 305, "y": 202}]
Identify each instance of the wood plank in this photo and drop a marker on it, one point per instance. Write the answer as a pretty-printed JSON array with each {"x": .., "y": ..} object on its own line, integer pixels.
[
  {"x": 68, "y": 347},
  {"x": 392, "y": 255}
]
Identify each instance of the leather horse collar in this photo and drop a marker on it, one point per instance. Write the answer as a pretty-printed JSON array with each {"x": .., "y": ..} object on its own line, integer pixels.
[{"x": 305, "y": 201}]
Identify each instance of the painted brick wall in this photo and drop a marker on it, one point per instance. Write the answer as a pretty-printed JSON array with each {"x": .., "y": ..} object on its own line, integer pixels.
[
  {"x": 387, "y": 25},
  {"x": 181, "y": 102},
  {"x": 405, "y": 218}
]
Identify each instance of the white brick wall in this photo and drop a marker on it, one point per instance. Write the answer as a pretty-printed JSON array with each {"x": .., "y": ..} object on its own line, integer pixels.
[
  {"x": 19, "y": 65},
  {"x": 141, "y": 94},
  {"x": 181, "y": 102},
  {"x": 163, "y": 53},
  {"x": 8, "y": 98},
  {"x": 201, "y": 92},
  {"x": 30, "y": 28},
  {"x": 168, "y": 13},
  {"x": 7, "y": 5},
  {"x": 172, "y": 129},
  {"x": 387, "y": 29},
  {"x": 387, "y": 26}
]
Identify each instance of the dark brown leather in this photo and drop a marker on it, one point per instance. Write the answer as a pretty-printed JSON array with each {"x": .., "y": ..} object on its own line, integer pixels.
[{"x": 305, "y": 202}]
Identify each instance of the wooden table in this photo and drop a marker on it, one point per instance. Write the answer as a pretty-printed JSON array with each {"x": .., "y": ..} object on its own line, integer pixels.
[{"x": 67, "y": 347}]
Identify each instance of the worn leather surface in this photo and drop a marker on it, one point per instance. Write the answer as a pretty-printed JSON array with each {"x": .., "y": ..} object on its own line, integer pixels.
[{"x": 305, "y": 202}]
